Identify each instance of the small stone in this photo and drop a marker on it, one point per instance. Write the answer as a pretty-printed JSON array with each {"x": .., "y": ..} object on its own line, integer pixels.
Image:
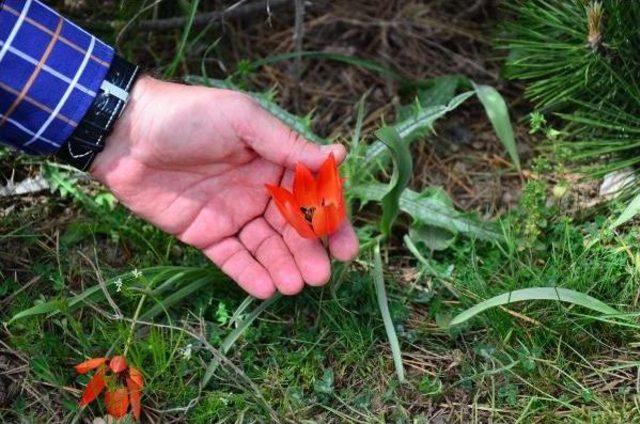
[{"x": 614, "y": 182}]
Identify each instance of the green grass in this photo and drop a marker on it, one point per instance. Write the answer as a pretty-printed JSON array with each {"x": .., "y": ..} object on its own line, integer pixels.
[{"x": 324, "y": 355}]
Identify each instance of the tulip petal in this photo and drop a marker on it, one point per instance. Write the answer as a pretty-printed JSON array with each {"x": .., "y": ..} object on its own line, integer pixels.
[
  {"x": 136, "y": 377},
  {"x": 335, "y": 216},
  {"x": 135, "y": 393},
  {"x": 118, "y": 364},
  {"x": 290, "y": 210},
  {"x": 93, "y": 389},
  {"x": 89, "y": 365},
  {"x": 320, "y": 222},
  {"x": 117, "y": 402},
  {"x": 305, "y": 188},
  {"x": 330, "y": 183}
]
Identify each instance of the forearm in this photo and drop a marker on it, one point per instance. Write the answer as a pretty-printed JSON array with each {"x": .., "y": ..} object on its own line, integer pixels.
[{"x": 50, "y": 74}]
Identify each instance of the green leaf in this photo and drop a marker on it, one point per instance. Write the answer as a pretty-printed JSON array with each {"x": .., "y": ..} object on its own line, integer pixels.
[
  {"x": 629, "y": 212},
  {"x": 536, "y": 293},
  {"x": 498, "y": 114},
  {"x": 179, "y": 55},
  {"x": 434, "y": 238},
  {"x": 383, "y": 304},
  {"x": 324, "y": 385},
  {"x": 429, "y": 208},
  {"x": 42, "y": 308},
  {"x": 440, "y": 90},
  {"x": 436, "y": 91},
  {"x": 415, "y": 126},
  {"x": 402, "y": 170},
  {"x": 429, "y": 268},
  {"x": 177, "y": 296},
  {"x": 167, "y": 275}
]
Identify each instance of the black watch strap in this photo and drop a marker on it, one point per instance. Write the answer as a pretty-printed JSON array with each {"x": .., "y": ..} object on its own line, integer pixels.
[{"x": 88, "y": 139}]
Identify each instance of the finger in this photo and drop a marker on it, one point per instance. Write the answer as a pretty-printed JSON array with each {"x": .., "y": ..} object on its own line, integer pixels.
[
  {"x": 235, "y": 261},
  {"x": 343, "y": 244},
  {"x": 278, "y": 143},
  {"x": 310, "y": 256},
  {"x": 267, "y": 246}
]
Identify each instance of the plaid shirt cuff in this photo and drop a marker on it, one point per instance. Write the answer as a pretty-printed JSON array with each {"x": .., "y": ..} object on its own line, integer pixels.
[{"x": 50, "y": 72}]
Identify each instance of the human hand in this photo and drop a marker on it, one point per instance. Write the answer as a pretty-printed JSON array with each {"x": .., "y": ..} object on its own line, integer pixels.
[{"x": 194, "y": 161}]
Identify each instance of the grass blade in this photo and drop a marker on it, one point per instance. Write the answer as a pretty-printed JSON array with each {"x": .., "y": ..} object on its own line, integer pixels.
[
  {"x": 536, "y": 293},
  {"x": 498, "y": 114},
  {"x": 383, "y": 303},
  {"x": 153, "y": 275},
  {"x": 42, "y": 308},
  {"x": 240, "y": 310},
  {"x": 402, "y": 170},
  {"x": 629, "y": 212},
  {"x": 176, "y": 297},
  {"x": 171, "y": 70},
  {"x": 230, "y": 340}
]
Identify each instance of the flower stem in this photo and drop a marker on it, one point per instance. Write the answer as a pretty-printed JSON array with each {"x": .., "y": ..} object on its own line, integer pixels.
[{"x": 133, "y": 323}]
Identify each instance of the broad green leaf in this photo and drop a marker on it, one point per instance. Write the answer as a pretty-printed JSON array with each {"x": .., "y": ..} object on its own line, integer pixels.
[
  {"x": 383, "y": 304},
  {"x": 434, "y": 238},
  {"x": 436, "y": 91},
  {"x": 440, "y": 90},
  {"x": 498, "y": 114},
  {"x": 536, "y": 293},
  {"x": 427, "y": 208},
  {"x": 402, "y": 170},
  {"x": 629, "y": 212},
  {"x": 296, "y": 123},
  {"x": 417, "y": 125},
  {"x": 414, "y": 127}
]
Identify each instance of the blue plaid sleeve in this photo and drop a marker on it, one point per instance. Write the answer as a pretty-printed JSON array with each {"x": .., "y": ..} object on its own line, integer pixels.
[{"x": 50, "y": 71}]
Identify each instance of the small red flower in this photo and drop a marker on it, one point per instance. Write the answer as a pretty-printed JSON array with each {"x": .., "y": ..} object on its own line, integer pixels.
[
  {"x": 316, "y": 206},
  {"x": 124, "y": 385}
]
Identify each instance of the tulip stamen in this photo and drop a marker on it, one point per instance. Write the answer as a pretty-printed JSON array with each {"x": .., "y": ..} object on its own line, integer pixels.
[{"x": 308, "y": 213}]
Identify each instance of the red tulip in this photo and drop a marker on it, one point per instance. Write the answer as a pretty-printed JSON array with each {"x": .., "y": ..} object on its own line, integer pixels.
[
  {"x": 316, "y": 206},
  {"x": 113, "y": 374}
]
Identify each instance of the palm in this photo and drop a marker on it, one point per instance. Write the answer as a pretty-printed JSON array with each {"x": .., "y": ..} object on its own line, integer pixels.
[{"x": 199, "y": 172}]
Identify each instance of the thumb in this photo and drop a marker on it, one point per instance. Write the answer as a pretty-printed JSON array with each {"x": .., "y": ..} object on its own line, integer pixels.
[{"x": 275, "y": 141}]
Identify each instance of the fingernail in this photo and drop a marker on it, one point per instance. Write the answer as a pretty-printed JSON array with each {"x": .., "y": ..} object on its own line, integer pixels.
[{"x": 337, "y": 149}]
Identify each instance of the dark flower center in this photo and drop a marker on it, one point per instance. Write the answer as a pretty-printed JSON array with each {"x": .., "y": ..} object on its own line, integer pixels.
[{"x": 308, "y": 213}]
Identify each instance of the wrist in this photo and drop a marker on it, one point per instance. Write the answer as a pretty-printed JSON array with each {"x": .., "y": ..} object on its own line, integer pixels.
[
  {"x": 89, "y": 135},
  {"x": 121, "y": 141}
]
